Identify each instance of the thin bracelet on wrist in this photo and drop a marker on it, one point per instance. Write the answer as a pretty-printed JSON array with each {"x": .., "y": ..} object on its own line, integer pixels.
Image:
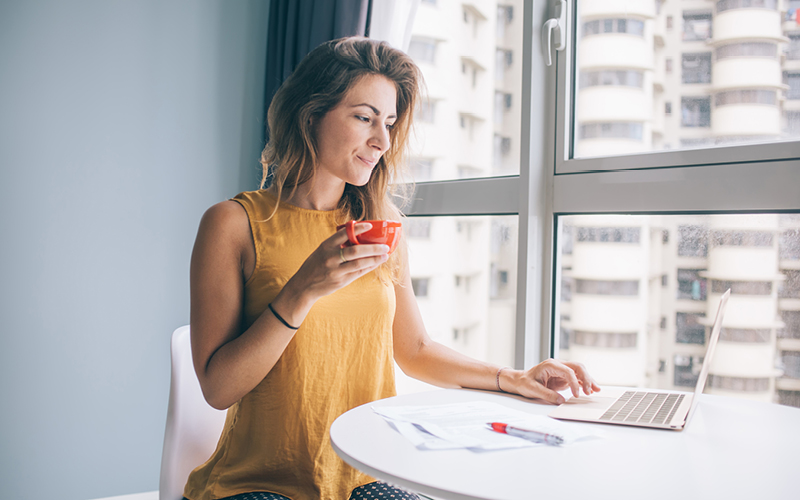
[
  {"x": 285, "y": 323},
  {"x": 497, "y": 379}
]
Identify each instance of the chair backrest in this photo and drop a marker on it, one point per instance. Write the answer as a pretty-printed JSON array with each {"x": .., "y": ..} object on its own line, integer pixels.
[{"x": 193, "y": 426}]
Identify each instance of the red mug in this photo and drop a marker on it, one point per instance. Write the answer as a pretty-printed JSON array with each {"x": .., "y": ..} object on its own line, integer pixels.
[{"x": 383, "y": 232}]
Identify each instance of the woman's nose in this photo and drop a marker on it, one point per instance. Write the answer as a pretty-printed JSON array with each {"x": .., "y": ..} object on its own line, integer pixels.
[{"x": 381, "y": 138}]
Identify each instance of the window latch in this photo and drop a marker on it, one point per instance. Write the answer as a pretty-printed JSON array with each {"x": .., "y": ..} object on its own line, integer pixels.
[{"x": 554, "y": 32}]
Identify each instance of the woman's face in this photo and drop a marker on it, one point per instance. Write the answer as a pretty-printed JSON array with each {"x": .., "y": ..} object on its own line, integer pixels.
[{"x": 353, "y": 136}]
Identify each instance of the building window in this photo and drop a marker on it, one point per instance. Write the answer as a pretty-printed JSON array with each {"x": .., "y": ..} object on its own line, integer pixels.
[
  {"x": 604, "y": 339},
  {"x": 420, "y": 286},
  {"x": 789, "y": 245},
  {"x": 791, "y": 322},
  {"x": 669, "y": 23},
  {"x": 422, "y": 49},
  {"x": 427, "y": 111},
  {"x": 696, "y": 67},
  {"x": 602, "y": 26},
  {"x": 746, "y": 335},
  {"x": 603, "y": 287},
  {"x": 692, "y": 241},
  {"x": 742, "y": 238},
  {"x": 695, "y": 111},
  {"x": 505, "y": 14},
  {"x": 742, "y": 287},
  {"x": 668, "y": 108},
  {"x": 747, "y": 49},
  {"x": 791, "y": 364},
  {"x": 766, "y": 97},
  {"x": 793, "y": 49},
  {"x": 696, "y": 26},
  {"x": 790, "y": 287},
  {"x": 612, "y": 130},
  {"x": 609, "y": 234},
  {"x": 622, "y": 78},
  {"x": 742, "y": 384},
  {"x": 687, "y": 370},
  {"x": 723, "y": 5},
  {"x": 792, "y": 80},
  {"x": 689, "y": 329},
  {"x": 691, "y": 286}
]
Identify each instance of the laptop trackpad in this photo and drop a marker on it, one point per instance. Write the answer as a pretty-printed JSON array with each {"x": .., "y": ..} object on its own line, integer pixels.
[{"x": 583, "y": 407}]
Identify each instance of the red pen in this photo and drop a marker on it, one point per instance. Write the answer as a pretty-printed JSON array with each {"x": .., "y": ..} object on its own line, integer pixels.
[{"x": 530, "y": 435}]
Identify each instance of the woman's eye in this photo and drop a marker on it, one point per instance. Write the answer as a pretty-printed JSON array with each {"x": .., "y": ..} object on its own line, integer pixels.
[
  {"x": 363, "y": 118},
  {"x": 389, "y": 126}
]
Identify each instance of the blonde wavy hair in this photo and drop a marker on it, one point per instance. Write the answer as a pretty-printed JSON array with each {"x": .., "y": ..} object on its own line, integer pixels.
[{"x": 316, "y": 86}]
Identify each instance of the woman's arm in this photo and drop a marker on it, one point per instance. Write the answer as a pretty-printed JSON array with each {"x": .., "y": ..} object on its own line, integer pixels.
[
  {"x": 230, "y": 362},
  {"x": 422, "y": 358}
]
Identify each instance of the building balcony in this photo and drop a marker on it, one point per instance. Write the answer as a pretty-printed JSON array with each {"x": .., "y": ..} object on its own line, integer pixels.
[
  {"x": 747, "y": 24},
  {"x": 623, "y": 367},
  {"x": 616, "y": 8},
  {"x": 744, "y": 359},
  {"x": 745, "y": 311},
  {"x": 607, "y": 313},
  {"x": 587, "y": 148},
  {"x": 749, "y": 120},
  {"x": 613, "y": 103},
  {"x": 746, "y": 72},
  {"x": 621, "y": 261},
  {"x": 615, "y": 50},
  {"x": 740, "y": 263}
]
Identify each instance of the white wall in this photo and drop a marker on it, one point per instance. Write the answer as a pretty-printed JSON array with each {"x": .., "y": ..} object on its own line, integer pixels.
[{"x": 120, "y": 123}]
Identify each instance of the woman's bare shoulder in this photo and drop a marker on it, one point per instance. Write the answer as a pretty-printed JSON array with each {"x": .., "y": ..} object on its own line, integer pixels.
[{"x": 225, "y": 222}]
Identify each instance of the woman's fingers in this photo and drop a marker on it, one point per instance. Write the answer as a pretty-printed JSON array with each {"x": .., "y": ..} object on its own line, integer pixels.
[{"x": 587, "y": 382}]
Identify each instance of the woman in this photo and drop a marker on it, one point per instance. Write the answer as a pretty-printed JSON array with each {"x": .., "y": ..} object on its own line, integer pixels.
[{"x": 290, "y": 328}]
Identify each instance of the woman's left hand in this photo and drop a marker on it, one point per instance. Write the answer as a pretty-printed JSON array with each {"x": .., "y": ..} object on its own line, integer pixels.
[{"x": 551, "y": 375}]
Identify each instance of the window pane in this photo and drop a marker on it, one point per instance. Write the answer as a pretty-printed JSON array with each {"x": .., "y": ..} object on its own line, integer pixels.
[
  {"x": 470, "y": 55},
  {"x": 723, "y": 64},
  {"x": 464, "y": 275},
  {"x": 636, "y": 311}
]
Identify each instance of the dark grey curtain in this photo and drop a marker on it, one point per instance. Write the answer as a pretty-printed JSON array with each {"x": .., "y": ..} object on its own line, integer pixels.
[{"x": 296, "y": 27}]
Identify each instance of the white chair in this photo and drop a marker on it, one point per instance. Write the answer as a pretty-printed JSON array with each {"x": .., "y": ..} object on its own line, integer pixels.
[{"x": 193, "y": 427}]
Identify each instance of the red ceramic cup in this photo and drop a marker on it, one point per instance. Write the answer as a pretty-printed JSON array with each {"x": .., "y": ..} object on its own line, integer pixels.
[{"x": 383, "y": 232}]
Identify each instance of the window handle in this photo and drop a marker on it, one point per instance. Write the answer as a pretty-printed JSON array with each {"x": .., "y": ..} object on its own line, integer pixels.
[{"x": 555, "y": 28}]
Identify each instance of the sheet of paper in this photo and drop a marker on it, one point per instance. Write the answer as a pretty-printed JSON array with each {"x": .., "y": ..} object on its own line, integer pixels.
[{"x": 464, "y": 425}]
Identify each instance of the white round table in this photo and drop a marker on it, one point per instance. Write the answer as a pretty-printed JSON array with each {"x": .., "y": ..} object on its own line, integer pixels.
[{"x": 731, "y": 449}]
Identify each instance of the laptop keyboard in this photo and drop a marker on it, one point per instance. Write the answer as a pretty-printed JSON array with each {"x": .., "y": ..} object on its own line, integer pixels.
[{"x": 643, "y": 407}]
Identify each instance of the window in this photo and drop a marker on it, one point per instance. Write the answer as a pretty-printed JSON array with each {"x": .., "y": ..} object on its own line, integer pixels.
[
  {"x": 692, "y": 240},
  {"x": 624, "y": 78},
  {"x": 689, "y": 329},
  {"x": 793, "y": 81},
  {"x": 747, "y": 49},
  {"x": 696, "y": 26},
  {"x": 420, "y": 286},
  {"x": 793, "y": 49},
  {"x": 638, "y": 168},
  {"x": 604, "y": 26},
  {"x": 612, "y": 130},
  {"x": 686, "y": 370},
  {"x": 422, "y": 50},
  {"x": 691, "y": 286},
  {"x": 696, "y": 67},
  {"x": 426, "y": 112},
  {"x": 695, "y": 111},
  {"x": 723, "y": 5},
  {"x": 668, "y": 108}
]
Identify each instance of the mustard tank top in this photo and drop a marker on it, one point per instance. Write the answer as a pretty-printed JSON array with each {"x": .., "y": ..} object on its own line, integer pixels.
[{"x": 276, "y": 437}]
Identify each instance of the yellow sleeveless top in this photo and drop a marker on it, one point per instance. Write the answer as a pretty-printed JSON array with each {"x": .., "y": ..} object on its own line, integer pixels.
[{"x": 276, "y": 437}]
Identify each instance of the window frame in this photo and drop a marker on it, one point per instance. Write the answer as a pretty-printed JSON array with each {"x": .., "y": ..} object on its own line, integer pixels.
[{"x": 551, "y": 184}]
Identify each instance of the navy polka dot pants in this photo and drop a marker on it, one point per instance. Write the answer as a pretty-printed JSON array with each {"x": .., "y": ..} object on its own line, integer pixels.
[{"x": 372, "y": 491}]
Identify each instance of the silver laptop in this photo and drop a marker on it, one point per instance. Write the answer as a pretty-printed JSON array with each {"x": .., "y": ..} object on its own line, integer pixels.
[{"x": 644, "y": 407}]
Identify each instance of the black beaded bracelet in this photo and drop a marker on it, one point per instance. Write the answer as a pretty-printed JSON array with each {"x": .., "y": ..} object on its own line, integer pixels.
[{"x": 287, "y": 325}]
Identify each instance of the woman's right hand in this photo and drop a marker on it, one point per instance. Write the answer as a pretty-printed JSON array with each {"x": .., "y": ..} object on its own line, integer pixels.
[{"x": 330, "y": 267}]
